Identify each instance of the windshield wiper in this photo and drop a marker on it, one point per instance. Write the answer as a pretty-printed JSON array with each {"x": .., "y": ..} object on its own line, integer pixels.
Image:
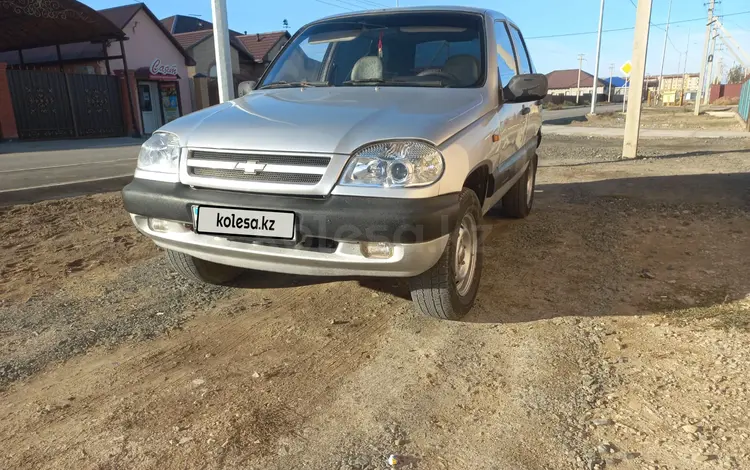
[
  {"x": 285, "y": 84},
  {"x": 377, "y": 81},
  {"x": 364, "y": 81}
]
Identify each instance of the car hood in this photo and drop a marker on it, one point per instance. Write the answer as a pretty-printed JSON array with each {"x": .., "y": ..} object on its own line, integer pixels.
[{"x": 330, "y": 120}]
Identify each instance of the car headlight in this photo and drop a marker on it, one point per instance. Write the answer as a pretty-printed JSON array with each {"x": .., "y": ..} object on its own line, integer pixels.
[
  {"x": 161, "y": 153},
  {"x": 394, "y": 164}
]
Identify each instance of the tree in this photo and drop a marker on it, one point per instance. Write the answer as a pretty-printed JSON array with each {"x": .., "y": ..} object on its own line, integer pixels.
[{"x": 736, "y": 74}]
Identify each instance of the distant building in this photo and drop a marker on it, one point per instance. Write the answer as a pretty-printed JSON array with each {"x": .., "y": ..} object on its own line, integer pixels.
[
  {"x": 679, "y": 82},
  {"x": 261, "y": 47},
  {"x": 565, "y": 82},
  {"x": 200, "y": 46},
  {"x": 178, "y": 24},
  {"x": 250, "y": 53},
  {"x": 159, "y": 63},
  {"x": 264, "y": 46},
  {"x": 617, "y": 82}
]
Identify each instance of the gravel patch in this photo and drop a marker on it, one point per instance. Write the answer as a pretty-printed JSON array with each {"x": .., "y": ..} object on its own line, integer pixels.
[{"x": 139, "y": 304}]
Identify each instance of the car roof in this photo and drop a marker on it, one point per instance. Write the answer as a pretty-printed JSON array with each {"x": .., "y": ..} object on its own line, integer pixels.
[{"x": 438, "y": 8}]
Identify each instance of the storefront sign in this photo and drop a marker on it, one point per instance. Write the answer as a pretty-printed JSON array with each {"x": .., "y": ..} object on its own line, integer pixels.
[{"x": 157, "y": 68}]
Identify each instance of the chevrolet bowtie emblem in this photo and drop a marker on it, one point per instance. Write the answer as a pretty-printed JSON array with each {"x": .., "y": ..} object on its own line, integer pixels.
[{"x": 250, "y": 167}]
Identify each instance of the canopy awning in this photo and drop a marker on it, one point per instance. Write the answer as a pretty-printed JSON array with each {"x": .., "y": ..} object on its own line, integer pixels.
[{"x": 26, "y": 24}]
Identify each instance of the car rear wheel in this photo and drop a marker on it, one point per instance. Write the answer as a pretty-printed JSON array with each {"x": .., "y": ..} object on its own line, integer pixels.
[
  {"x": 196, "y": 269},
  {"x": 448, "y": 289},
  {"x": 518, "y": 201}
]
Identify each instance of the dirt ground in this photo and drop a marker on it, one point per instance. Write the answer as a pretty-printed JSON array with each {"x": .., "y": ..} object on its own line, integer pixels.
[
  {"x": 612, "y": 330},
  {"x": 666, "y": 118}
]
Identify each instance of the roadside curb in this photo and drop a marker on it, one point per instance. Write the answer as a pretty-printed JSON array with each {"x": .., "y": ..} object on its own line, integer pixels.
[
  {"x": 615, "y": 132},
  {"x": 10, "y": 197}
]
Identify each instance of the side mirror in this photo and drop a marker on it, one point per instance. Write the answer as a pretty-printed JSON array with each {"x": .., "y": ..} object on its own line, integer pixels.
[
  {"x": 245, "y": 87},
  {"x": 528, "y": 87}
]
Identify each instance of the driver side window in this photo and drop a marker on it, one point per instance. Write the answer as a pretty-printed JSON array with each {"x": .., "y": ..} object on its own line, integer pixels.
[{"x": 506, "y": 59}]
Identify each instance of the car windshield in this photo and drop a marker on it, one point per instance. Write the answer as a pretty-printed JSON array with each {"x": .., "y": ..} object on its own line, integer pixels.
[{"x": 404, "y": 49}]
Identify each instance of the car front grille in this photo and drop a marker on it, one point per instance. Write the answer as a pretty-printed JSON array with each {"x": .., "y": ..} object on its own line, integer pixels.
[
  {"x": 257, "y": 168},
  {"x": 291, "y": 160},
  {"x": 264, "y": 177}
]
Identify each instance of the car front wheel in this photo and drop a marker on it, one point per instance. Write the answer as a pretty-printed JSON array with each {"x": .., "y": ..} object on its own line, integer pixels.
[
  {"x": 196, "y": 269},
  {"x": 448, "y": 289}
]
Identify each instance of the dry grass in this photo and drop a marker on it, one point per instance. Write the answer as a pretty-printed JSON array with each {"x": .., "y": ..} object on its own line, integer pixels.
[
  {"x": 727, "y": 101},
  {"x": 734, "y": 315}
]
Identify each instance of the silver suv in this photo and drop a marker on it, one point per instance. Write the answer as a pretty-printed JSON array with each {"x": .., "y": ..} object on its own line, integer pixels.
[{"x": 372, "y": 146}]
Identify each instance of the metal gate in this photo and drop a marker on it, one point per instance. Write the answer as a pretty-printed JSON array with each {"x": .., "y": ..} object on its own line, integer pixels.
[{"x": 53, "y": 105}]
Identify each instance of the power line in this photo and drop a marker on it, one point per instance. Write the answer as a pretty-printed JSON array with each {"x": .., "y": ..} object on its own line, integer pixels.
[
  {"x": 334, "y": 5},
  {"x": 675, "y": 47},
  {"x": 348, "y": 3},
  {"x": 652, "y": 24},
  {"x": 356, "y": 5},
  {"x": 373, "y": 3},
  {"x": 628, "y": 28}
]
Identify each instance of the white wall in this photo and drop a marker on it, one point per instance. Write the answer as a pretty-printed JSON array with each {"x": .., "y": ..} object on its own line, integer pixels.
[
  {"x": 147, "y": 42},
  {"x": 572, "y": 91}
]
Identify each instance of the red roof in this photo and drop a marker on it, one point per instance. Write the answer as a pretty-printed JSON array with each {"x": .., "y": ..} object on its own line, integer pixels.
[
  {"x": 188, "y": 40},
  {"x": 569, "y": 79},
  {"x": 258, "y": 45}
]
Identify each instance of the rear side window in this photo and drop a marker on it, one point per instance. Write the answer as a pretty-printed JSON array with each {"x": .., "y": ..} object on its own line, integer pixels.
[
  {"x": 506, "y": 61},
  {"x": 524, "y": 62}
]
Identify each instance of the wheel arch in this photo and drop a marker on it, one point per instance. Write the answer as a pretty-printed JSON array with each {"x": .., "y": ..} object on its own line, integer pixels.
[{"x": 480, "y": 181}]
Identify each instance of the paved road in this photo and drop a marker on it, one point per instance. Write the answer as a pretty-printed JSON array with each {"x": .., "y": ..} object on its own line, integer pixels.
[
  {"x": 40, "y": 167},
  {"x": 644, "y": 133},
  {"x": 579, "y": 112}
]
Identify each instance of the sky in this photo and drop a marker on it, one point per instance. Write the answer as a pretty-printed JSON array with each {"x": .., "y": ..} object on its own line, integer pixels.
[{"x": 536, "y": 18}]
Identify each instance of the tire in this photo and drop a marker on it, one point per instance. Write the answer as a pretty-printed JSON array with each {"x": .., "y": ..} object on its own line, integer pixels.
[
  {"x": 196, "y": 269},
  {"x": 519, "y": 200},
  {"x": 438, "y": 292}
]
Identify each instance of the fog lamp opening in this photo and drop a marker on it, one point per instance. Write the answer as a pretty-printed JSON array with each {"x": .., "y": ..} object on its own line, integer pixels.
[
  {"x": 379, "y": 250},
  {"x": 164, "y": 226}
]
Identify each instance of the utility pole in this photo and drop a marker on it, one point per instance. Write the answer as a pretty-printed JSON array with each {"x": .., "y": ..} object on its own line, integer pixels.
[
  {"x": 712, "y": 56},
  {"x": 611, "y": 72},
  {"x": 704, "y": 57},
  {"x": 684, "y": 70},
  {"x": 578, "y": 87},
  {"x": 664, "y": 50},
  {"x": 596, "y": 63},
  {"x": 635, "y": 94},
  {"x": 221, "y": 49}
]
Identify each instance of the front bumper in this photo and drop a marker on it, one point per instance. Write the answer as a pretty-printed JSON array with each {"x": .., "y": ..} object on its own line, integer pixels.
[{"x": 417, "y": 229}]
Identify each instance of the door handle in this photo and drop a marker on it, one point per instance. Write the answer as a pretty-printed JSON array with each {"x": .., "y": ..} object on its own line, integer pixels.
[{"x": 525, "y": 110}]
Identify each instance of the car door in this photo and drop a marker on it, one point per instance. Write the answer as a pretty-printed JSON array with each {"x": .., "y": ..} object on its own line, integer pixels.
[
  {"x": 511, "y": 121},
  {"x": 532, "y": 109}
]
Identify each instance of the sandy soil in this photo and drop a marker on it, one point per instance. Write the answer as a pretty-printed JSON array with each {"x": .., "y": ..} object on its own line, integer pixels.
[
  {"x": 665, "y": 118},
  {"x": 611, "y": 331},
  {"x": 42, "y": 245}
]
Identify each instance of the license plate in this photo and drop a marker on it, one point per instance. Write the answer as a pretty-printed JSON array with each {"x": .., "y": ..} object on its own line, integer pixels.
[{"x": 244, "y": 222}]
